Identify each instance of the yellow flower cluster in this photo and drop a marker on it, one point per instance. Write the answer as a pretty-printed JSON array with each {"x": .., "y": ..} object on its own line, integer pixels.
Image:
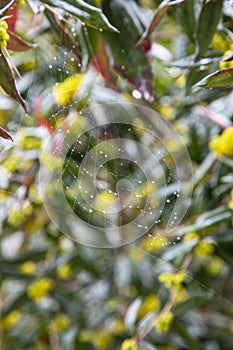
[
  {"x": 21, "y": 3},
  {"x": 230, "y": 204},
  {"x": 11, "y": 163},
  {"x": 221, "y": 43},
  {"x": 118, "y": 327},
  {"x": 27, "y": 268},
  {"x": 60, "y": 323},
  {"x": 102, "y": 340},
  {"x": 181, "y": 295},
  {"x": 129, "y": 344},
  {"x": 104, "y": 200},
  {"x": 222, "y": 145},
  {"x": 164, "y": 321},
  {"x": 215, "y": 267},
  {"x": 190, "y": 236},
  {"x": 15, "y": 217},
  {"x": 204, "y": 249},
  {"x": 226, "y": 64},
  {"x": 4, "y": 36},
  {"x": 65, "y": 91},
  {"x": 64, "y": 272},
  {"x": 38, "y": 289},
  {"x": 150, "y": 304},
  {"x": 173, "y": 280},
  {"x": 152, "y": 243},
  {"x": 11, "y": 320}
]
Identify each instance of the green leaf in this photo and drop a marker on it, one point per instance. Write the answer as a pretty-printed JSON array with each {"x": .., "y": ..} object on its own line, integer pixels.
[
  {"x": 189, "y": 62},
  {"x": 188, "y": 339},
  {"x": 219, "y": 79},
  {"x": 178, "y": 250},
  {"x": 65, "y": 38},
  {"x": 193, "y": 302},
  {"x": 209, "y": 17},
  {"x": 88, "y": 14},
  {"x": 7, "y": 81},
  {"x": 159, "y": 13},
  {"x": 187, "y": 19},
  {"x": 130, "y": 61},
  {"x": 131, "y": 314},
  {"x": 146, "y": 324},
  {"x": 209, "y": 219}
]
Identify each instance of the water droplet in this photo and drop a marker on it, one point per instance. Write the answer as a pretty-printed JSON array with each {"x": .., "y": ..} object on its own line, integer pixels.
[{"x": 136, "y": 94}]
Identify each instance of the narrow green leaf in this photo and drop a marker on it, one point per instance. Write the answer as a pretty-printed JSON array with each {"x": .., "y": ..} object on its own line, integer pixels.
[
  {"x": 131, "y": 314},
  {"x": 187, "y": 19},
  {"x": 189, "y": 62},
  {"x": 65, "y": 38},
  {"x": 130, "y": 61},
  {"x": 146, "y": 324},
  {"x": 88, "y": 14},
  {"x": 159, "y": 13},
  {"x": 178, "y": 250},
  {"x": 188, "y": 338},
  {"x": 193, "y": 302},
  {"x": 211, "y": 218},
  {"x": 7, "y": 81},
  {"x": 208, "y": 21},
  {"x": 219, "y": 79}
]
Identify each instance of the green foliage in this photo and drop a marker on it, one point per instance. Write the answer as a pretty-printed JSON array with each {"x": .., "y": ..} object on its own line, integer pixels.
[{"x": 165, "y": 290}]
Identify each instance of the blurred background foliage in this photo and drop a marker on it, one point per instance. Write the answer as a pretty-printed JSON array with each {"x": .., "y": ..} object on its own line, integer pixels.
[{"x": 157, "y": 293}]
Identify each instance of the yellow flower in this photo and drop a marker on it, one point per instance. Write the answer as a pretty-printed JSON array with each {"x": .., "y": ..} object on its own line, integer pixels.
[
  {"x": 11, "y": 163},
  {"x": 221, "y": 42},
  {"x": 129, "y": 344},
  {"x": 230, "y": 204},
  {"x": 11, "y": 320},
  {"x": 113, "y": 304},
  {"x": 226, "y": 64},
  {"x": 167, "y": 111},
  {"x": 154, "y": 243},
  {"x": 60, "y": 323},
  {"x": 231, "y": 326},
  {"x": 118, "y": 327},
  {"x": 181, "y": 295},
  {"x": 102, "y": 340},
  {"x": 65, "y": 91},
  {"x": 4, "y": 36},
  {"x": 135, "y": 254},
  {"x": 38, "y": 289},
  {"x": 222, "y": 145},
  {"x": 27, "y": 268},
  {"x": 150, "y": 304},
  {"x": 21, "y": 3},
  {"x": 64, "y": 272},
  {"x": 164, "y": 321},
  {"x": 215, "y": 267},
  {"x": 15, "y": 217},
  {"x": 180, "y": 81},
  {"x": 104, "y": 200},
  {"x": 204, "y": 249},
  {"x": 190, "y": 236},
  {"x": 29, "y": 142},
  {"x": 171, "y": 280}
]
